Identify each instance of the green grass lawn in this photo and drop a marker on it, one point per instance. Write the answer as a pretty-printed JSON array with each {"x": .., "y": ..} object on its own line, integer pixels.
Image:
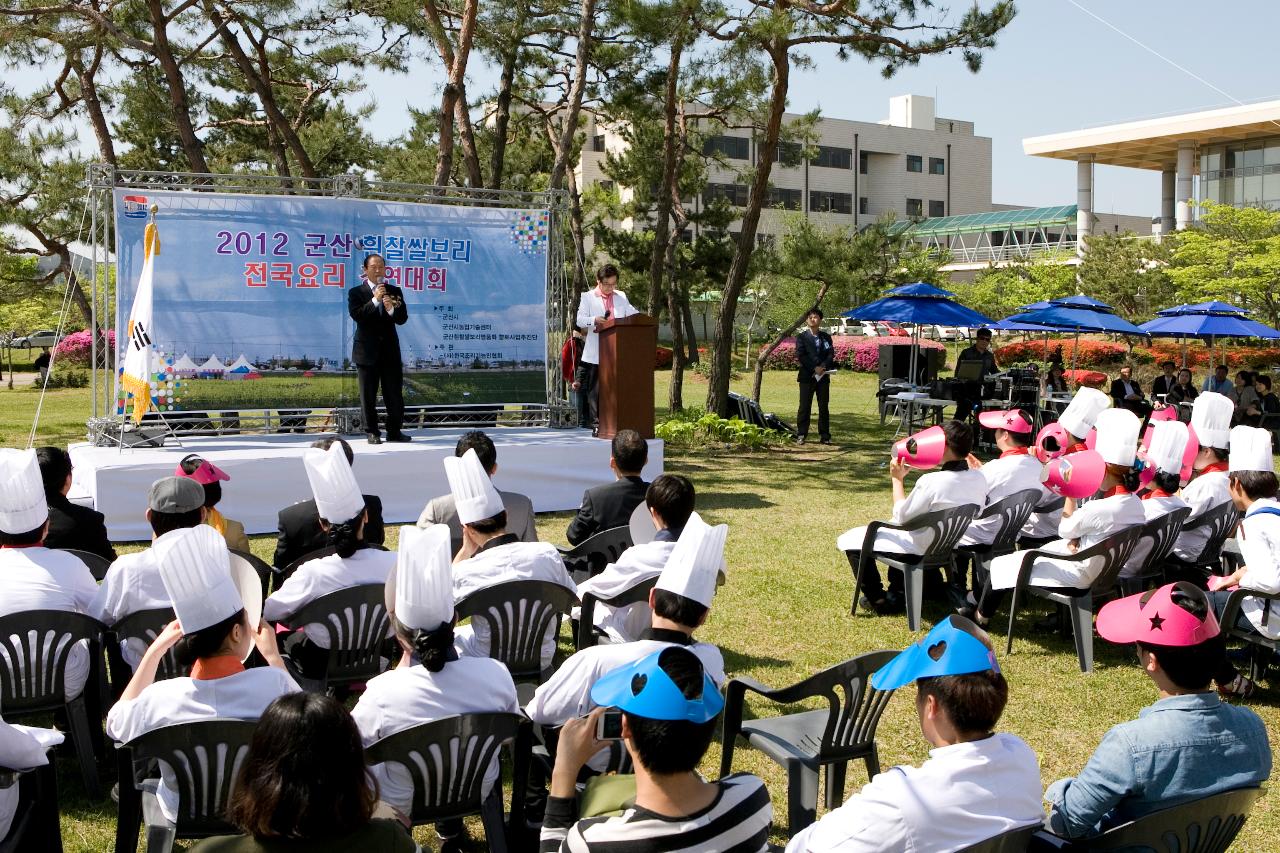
[{"x": 784, "y": 612}]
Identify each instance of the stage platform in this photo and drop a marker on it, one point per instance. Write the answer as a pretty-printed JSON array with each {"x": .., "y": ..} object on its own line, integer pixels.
[{"x": 552, "y": 466}]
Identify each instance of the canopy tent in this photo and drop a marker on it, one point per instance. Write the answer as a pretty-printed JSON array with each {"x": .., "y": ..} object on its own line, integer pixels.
[
  {"x": 213, "y": 365},
  {"x": 241, "y": 365},
  {"x": 1207, "y": 321},
  {"x": 185, "y": 366}
]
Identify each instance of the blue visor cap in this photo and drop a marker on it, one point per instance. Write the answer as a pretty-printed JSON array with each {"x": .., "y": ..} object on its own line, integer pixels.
[
  {"x": 643, "y": 688},
  {"x": 949, "y": 649}
]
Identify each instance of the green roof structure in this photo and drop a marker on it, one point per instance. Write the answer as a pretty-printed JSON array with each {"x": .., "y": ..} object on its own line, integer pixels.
[{"x": 996, "y": 220}]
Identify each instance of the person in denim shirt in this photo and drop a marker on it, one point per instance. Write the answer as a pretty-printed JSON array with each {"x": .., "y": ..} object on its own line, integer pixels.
[{"x": 1187, "y": 745}]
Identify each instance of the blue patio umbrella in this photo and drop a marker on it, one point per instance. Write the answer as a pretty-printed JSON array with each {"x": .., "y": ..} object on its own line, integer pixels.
[
  {"x": 1077, "y": 314},
  {"x": 1209, "y": 321}
]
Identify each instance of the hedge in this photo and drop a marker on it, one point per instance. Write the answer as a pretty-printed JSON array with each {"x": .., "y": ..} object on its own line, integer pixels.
[
  {"x": 1102, "y": 354},
  {"x": 861, "y": 355}
]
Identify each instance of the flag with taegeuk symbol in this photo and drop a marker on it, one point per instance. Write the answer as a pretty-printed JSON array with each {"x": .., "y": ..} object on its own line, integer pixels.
[{"x": 135, "y": 376}]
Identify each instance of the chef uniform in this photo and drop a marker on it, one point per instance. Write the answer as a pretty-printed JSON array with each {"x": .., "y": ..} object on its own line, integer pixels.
[
  {"x": 197, "y": 571},
  {"x": 1259, "y": 536},
  {"x": 955, "y": 485},
  {"x": 132, "y": 583},
  {"x": 337, "y": 497},
  {"x": 1092, "y": 522},
  {"x": 1211, "y": 419},
  {"x": 410, "y": 695},
  {"x": 501, "y": 559},
  {"x": 1168, "y": 441},
  {"x": 1013, "y": 471},
  {"x": 35, "y": 577},
  {"x": 21, "y": 748},
  {"x": 1078, "y": 419}
]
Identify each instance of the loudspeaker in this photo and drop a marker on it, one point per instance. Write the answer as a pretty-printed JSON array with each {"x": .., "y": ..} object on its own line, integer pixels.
[
  {"x": 895, "y": 363},
  {"x": 144, "y": 436}
]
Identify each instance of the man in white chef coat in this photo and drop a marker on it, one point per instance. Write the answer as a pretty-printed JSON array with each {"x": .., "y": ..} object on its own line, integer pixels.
[{"x": 1211, "y": 421}]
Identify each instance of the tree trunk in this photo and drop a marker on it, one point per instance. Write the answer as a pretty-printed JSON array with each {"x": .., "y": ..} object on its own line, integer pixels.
[
  {"x": 467, "y": 139},
  {"x": 722, "y": 348},
  {"x": 570, "y": 126},
  {"x": 444, "y": 151},
  {"x": 691, "y": 334},
  {"x": 192, "y": 147},
  {"x": 579, "y": 233},
  {"x": 453, "y": 107},
  {"x": 93, "y": 106},
  {"x": 763, "y": 360},
  {"x": 77, "y": 292},
  {"x": 675, "y": 392},
  {"x": 502, "y": 110},
  {"x": 670, "y": 175}
]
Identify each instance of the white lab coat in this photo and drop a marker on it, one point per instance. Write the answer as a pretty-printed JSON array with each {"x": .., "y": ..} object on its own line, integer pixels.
[
  {"x": 1005, "y": 475},
  {"x": 21, "y": 748},
  {"x": 39, "y": 578},
  {"x": 321, "y": 576},
  {"x": 1042, "y": 524},
  {"x": 635, "y": 565},
  {"x": 1203, "y": 493},
  {"x": 964, "y": 793},
  {"x": 592, "y": 306},
  {"x": 242, "y": 696},
  {"x": 514, "y": 561},
  {"x": 132, "y": 584},
  {"x": 1151, "y": 508},
  {"x": 1091, "y": 523},
  {"x": 407, "y": 696},
  {"x": 933, "y": 491},
  {"x": 1259, "y": 541}
]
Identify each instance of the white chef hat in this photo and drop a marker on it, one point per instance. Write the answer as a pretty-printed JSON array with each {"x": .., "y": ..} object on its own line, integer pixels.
[
  {"x": 1211, "y": 419},
  {"x": 22, "y": 502},
  {"x": 1168, "y": 443},
  {"x": 424, "y": 577},
  {"x": 338, "y": 497},
  {"x": 695, "y": 561},
  {"x": 1251, "y": 450},
  {"x": 1082, "y": 412},
  {"x": 198, "y": 573},
  {"x": 473, "y": 491},
  {"x": 1117, "y": 436}
]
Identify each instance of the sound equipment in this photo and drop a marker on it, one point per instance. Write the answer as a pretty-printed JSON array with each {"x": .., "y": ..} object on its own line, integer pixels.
[{"x": 895, "y": 363}]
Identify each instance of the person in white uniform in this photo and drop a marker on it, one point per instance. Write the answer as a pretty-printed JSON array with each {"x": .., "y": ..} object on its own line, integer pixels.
[
  {"x": 977, "y": 783},
  {"x": 337, "y": 497},
  {"x": 21, "y": 748},
  {"x": 955, "y": 485},
  {"x": 1083, "y": 526},
  {"x": 1013, "y": 471},
  {"x": 219, "y": 622},
  {"x": 1168, "y": 442},
  {"x": 499, "y": 556},
  {"x": 434, "y": 682},
  {"x": 132, "y": 583},
  {"x": 1211, "y": 420},
  {"x": 595, "y": 308},
  {"x": 36, "y": 577},
  {"x": 670, "y": 499},
  {"x": 1078, "y": 420}
]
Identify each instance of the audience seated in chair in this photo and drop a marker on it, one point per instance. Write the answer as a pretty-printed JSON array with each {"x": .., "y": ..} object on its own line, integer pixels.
[
  {"x": 670, "y": 499},
  {"x": 1127, "y": 393},
  {"x": 604, "y": 507},
  {"x": 70, "y": 525},
  {"x": 977, "y": 783},
  {"x": 1183, "y": 390},
  {"x": 1187, "y": 745},
  {"x": 669, "y": 706},
  {"x": 20, "y": 750},
  {"x": 304, "y": 786},
  {"x": 1211, "y": 421},
  {"x": 1220, "y": 384},
  {"x": 300, "y": 532},
  {"x": 36, "y": 577},
  {"x": 1246, "y": 393},
  {"x": 1164, "y": 383},
  {"x": 1169, "y": 440},
  {"x": 211, "y": 477},
  {"x": 1264, "y": 402}
]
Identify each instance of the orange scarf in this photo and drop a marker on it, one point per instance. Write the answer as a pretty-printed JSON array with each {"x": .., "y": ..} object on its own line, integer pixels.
[{"x": 207, "y": 669}]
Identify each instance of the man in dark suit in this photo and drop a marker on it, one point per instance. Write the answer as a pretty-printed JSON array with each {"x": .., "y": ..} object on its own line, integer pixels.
[
  {"x": 817, "y": 355},
  {"x": 70, "y": 525},
  {"x": 299, "y": 525},
  {"x": 377, "y": 308},
  {"x": 1164, "y": 383},
  {"x": 605, "y": 507},
  {"x": 1126, "y": 393}
]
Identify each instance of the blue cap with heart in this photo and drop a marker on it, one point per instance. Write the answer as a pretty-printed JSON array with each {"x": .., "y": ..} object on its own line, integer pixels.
[
  {"x": 951, "y": 648},
  {"x": 643, "y": 688}
]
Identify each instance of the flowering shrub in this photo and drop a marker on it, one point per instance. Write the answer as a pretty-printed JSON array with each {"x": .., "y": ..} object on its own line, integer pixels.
[
  {"x": 1089, "y": 353},
  {"x": 664, "y": 357},
  {"x": 1101, "y": 354},
  {"x": 76, "y": 348},
  {"x": 858, "y": 354}
]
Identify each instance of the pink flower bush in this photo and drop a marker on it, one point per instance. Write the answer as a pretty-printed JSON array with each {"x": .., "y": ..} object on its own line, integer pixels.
[
  {"x": 76, "y": 347},
  {"x": 861, "y": 355}
]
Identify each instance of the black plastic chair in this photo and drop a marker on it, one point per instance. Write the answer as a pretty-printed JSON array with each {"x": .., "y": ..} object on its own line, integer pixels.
[
  {"x": 97, "y": 563},
  {"x": 1040, "y": 541},
  {"x": 1013, "y": 511},
  {"x": 205, "y": 757},
  {"x": 1162, "y": 534},
  {"x": 144, "y": 626},
  {"x": 280, "y": 575},
  {"x": 448, "y": 758},
  {"x": 1221, "y": 523},
  {"x": 261, "y": 568},
  {"x": 36, "y": 827},
  {"x": 1261, "y": 646},
  {"x": 358, "y": 624},
  {"x": 1013, "y": 841},
  {"x": 589, "y": 558},
  {"x": 587, "y": 635},
  {"x": 29, "y": 687},
  {"x": 805, "y": 742},
  {"x": 518, "y": 614},
  {"x": 948, "y": 526},
  {"x": 1114, "y": 552}
]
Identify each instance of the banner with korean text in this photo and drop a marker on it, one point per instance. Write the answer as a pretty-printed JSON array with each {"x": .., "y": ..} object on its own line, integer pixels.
[{"x": 250, "y": 297}]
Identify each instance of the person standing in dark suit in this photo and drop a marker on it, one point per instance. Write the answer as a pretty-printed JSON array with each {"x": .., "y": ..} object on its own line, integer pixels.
[
  {"x": 70, "y": 525},
  {"x": 377, "y": 308},
  {"x": 605, "y": 507},
  {"x": 299, "y": 525},
  {"x": 817, "y": 354}
]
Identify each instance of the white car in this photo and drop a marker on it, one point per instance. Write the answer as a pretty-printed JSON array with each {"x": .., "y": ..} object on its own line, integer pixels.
[{"x": 42, "y": 338}]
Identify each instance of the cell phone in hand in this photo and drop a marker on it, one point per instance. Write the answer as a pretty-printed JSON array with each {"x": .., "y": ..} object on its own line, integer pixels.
[{"x": 609, "y": 726}]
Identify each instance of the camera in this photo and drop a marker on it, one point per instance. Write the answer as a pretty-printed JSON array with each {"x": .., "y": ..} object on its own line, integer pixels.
[{"x": 609, "y": 726}]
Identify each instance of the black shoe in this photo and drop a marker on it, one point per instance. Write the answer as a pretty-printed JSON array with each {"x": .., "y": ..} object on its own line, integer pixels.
[
  {"x": 826, "y": 440},
  {"x": 958, "y": 598},
  {"x": 398, "y": 437},
  {"x": 801, "y": 439},
  {"x": 1052, "y": 622},
  {"x": 893, "y": 604},
  {"x": 374, "y": 438}
]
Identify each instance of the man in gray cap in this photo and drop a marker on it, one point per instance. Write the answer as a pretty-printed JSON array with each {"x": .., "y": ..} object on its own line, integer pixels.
[{"x": 133, "y": 581}]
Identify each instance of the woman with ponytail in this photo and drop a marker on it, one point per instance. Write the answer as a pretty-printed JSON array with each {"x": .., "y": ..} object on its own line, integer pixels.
[
  {"x": 431, "y": 681},
  {"x": 349, "y": 562}
]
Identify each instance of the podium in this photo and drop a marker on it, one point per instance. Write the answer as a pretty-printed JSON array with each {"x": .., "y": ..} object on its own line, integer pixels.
[{"x": 628, "y": 348}]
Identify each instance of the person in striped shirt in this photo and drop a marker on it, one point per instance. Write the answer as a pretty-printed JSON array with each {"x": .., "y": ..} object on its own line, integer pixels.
[{"x": 669, "y": 707}]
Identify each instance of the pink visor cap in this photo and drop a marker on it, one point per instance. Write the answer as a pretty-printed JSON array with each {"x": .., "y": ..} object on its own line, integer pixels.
[
  {"x": 922, "y": 450},
  {"x": 1051, "y": 442},
  {"x": 1076, "y": 475},
  {"x": 1012, "y": 420},
  {"x": 204, "y": 475},
  {"x": 1164, "y": 413},
  {"x": 1154, "y": 617}
]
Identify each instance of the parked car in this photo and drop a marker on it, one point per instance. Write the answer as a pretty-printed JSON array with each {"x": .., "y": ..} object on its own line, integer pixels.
[
  {"x": 42, "y": 338},
  {"x": 842, "y": 326},
  {"x": 946, "y": 333}
]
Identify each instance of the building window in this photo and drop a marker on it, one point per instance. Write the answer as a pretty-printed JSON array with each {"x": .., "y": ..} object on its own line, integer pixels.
[
  {"x": 735, "y": 194},
  {"x": 597, "y": 143},
  {"x": 864, "y": 206},
  {"x": 915, "y": 207},
  {"x": 787, "y": 152},
  {"x": 915, "y": 163},
  {"x": 732, "y": 147},
  {"x": 784, "y": 198},
  {"x": 937, "y": 208},
  {"x": 862, "y": 162},
  {"x": 833, "y": 158},
  {"x": 829, "y": 202},
  {"x": 937, "y": 166},
  {"x": 607, "y": 186}
]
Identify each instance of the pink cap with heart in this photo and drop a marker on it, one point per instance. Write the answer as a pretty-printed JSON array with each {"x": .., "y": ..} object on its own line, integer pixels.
[
  {"x": 922, "y": 450},
  {"x": 1157, "y": 617},
  {"x": 1052, "y": 441},
  {"x": 1013, "y": 420},
  {"x": 205, "y": 474},
  {"x": 1076, "y": 475}
]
